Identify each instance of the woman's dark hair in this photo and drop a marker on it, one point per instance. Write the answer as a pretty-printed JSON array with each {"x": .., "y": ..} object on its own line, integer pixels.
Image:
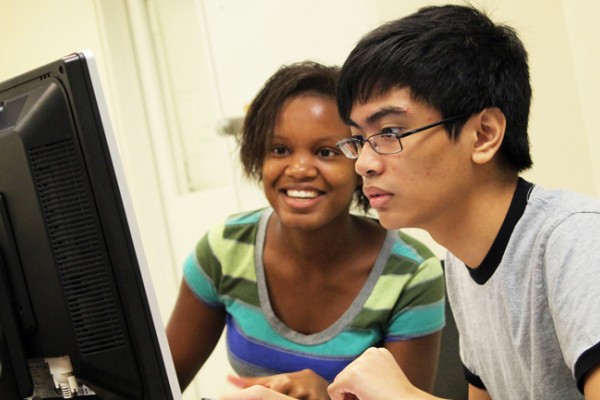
[
  {"x": 289, "y": 81},
  {"x": 453, "y": 58}
]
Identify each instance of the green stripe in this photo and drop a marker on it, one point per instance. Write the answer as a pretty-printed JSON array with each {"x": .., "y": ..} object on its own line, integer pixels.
[
  {"x": 420, "y": 248},
  {"x": 400, "y": 265},
  {"x": 386, "y": 291},
  {"x": 240, "y": 289},
  {"x": 366, "y": 317},
  {"x": 430, "y": 270},
  {"x": 421, "y": 294},
  {"x": 207, "y": 259},
  {"x": 233, "y": 255}
]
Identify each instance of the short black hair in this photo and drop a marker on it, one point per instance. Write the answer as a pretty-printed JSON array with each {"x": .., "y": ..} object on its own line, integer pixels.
[{"x": 454, "y": 58}]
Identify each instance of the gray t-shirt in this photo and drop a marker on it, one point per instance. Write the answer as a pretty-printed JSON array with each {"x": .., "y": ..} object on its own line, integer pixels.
[{"x": 530, "y": 325}]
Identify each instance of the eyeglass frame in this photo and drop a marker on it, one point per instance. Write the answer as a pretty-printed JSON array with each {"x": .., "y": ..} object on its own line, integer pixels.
[{"x": 361, "y": 139}]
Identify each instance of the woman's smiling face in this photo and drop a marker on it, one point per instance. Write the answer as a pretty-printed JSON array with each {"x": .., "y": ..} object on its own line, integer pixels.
[{"x": 306, "y": 178}]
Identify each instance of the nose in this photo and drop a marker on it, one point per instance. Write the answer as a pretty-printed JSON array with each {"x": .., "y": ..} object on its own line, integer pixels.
[
  {"x": 368, "y": 162},
  {"x": 301, "y": 167}
]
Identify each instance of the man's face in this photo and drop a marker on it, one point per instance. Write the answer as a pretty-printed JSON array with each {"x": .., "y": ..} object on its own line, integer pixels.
[{"x": 424, "y": 185}]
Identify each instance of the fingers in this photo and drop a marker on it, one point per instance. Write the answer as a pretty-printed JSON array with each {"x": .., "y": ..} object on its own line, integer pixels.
[
  {"x": 364, "y": 377},
  {"x": 374, "y": 375},
  {"x": 280, "y": 383},
  {"x": 256, "y": 392},
  {"x": 304, "y": 384},
  {"x": 246, "y": 381}
]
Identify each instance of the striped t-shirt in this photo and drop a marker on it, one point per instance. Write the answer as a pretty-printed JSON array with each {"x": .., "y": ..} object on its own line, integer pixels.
[{"x": 403, "y": 298}]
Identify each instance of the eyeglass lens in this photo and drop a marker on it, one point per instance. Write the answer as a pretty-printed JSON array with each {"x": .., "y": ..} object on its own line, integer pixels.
[
  {"x": 385, "y": 143},
  {"x": 382, "y": 143}
]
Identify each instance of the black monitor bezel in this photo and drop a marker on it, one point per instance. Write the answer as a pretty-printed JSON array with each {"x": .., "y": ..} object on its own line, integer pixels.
[{"x": 76, "y": 76}]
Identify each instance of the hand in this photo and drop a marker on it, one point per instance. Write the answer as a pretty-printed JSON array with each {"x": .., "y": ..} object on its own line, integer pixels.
[
  {"x": 256, "y": 392},
  {"x": 374, "y": 375},
  {"x": 304, "y": 385}
]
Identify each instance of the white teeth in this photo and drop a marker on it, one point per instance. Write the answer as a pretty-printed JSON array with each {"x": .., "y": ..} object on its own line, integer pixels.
[{"x": 302, "y": 194}]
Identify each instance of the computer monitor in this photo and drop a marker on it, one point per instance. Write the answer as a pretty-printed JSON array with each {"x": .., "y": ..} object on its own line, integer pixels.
[{"x": 75, "y": 291}]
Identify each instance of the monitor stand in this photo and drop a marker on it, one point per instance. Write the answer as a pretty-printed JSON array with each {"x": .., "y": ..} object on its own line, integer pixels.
[{"x": 53, "y": 379}]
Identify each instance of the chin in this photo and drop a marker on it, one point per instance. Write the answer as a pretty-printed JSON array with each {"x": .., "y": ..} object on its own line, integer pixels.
[
  {"x": 391, "y": 222},
  {"x": 299, "y": 221}
]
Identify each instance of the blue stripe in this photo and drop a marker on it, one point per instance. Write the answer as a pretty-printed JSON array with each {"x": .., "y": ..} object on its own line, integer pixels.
[
  {"x": 348, "y": 343},
  {"x": 264, "y": 356}
]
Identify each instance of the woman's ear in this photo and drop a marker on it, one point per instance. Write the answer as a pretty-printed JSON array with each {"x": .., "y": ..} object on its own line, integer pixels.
[{"x": 490, "y": 128}]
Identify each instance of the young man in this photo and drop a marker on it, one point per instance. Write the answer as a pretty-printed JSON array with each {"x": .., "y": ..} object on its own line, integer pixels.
[
  {"x": 524, "y": 262},
  {"x": 438, "y": 104}
]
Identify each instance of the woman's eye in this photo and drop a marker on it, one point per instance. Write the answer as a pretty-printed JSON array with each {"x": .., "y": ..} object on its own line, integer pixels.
[
  {"x": 279, "y": 150},
  {"x": 327, "y": 152}
]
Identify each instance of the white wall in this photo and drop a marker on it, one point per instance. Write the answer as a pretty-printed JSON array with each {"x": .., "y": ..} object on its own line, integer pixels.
[{"x": 249, "y": 40}]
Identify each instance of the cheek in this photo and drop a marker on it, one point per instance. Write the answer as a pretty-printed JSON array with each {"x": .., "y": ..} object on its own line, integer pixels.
[
  {"x": 352, "y": 185},
  {"x": 268, "y": 171},
  {"x": 435, "y": 165},
  {"x": 346, "y": 177}
]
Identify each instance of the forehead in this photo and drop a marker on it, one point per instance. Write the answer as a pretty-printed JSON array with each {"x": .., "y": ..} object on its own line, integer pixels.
[{"x": 397, "y": 102}]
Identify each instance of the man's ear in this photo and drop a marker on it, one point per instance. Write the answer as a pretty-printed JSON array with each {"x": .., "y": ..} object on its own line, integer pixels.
[{"x": 490, "y": 127}]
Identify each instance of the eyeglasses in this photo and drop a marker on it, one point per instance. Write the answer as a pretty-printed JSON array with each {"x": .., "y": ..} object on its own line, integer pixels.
[{"x": 387, "y": 141}]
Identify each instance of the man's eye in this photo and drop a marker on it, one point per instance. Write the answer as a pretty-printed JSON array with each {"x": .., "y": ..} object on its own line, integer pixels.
[{"x": 391, "y": 131}]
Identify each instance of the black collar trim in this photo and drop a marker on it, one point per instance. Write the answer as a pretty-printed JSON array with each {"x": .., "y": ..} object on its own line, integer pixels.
[{"x": 491, "y": 261}]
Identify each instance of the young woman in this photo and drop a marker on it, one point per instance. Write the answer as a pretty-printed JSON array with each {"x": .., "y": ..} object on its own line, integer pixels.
[{"x": 305, "y": 286}]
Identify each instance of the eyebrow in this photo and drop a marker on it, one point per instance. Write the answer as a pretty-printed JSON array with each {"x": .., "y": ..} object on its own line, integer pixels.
[{"x": 381, "y": 113}]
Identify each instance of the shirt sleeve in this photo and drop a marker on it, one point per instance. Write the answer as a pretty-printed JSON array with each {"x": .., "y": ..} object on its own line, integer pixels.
[
  {"x": 572, "y": 260},
  {"x": 420, "y": 309},
  {"x": 201, "y": 270}
]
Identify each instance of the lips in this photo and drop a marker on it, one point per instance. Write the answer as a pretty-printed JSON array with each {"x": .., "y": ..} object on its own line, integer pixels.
[
  {"x": 377, "y": 197},
  {"x": 372, "y": 192}
]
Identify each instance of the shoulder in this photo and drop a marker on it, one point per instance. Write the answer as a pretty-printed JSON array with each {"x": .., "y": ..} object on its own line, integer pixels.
[
  {"x": 227, "y": 249},
  {"x": 240, "y": 227},
  {"x": 236, "y": 232},
  {"x": 419, "y": 247},
  {"x": 559, "y": 203},
  {"x": 412, "y": 259},
  {"x": 409, "y": 249},
  {"x": 559, "y": 214}
]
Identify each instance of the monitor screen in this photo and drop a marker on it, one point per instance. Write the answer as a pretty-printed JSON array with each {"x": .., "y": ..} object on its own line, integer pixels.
[{"x": 77, "y": 309}]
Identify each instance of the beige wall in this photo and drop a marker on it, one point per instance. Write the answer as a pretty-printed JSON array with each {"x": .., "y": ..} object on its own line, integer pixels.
[{"x": 561, "y": 37}]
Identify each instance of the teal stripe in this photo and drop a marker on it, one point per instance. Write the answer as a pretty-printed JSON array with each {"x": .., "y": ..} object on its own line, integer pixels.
[
  {"x": 246, "y": 218},
  {"x": 403, "y": 250},
  {"x": 198, "y": 281},
  {"x": 418, "y": 321},
  {"x": 253, "y": 323}
]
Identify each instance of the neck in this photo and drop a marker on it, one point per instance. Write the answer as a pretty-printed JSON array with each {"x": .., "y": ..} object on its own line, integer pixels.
[
  {"x": 322, "y": 246},
  {"x": 469, "y": 232}
]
